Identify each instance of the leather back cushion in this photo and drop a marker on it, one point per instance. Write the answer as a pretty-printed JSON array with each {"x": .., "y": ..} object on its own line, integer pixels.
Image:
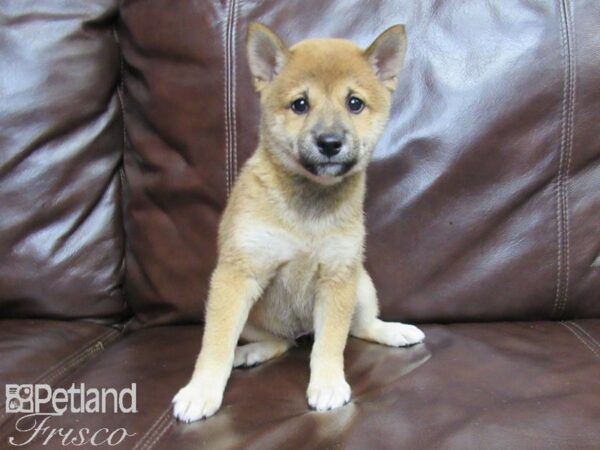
[
  {"x": 61, "y": 134},
  {"x": 483, "y": 198}
]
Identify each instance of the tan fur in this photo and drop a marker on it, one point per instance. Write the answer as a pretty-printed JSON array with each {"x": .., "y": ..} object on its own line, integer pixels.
[{"x": 291, "y": 241}]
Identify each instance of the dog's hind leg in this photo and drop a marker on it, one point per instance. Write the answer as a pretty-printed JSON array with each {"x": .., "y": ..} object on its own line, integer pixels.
[
  {"x": 366, "y": 325},
  {"x": 262, "y": 346}
]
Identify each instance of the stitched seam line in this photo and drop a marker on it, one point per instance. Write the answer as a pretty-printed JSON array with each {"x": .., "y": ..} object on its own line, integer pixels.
[
  {"x": 65, "y": 361},
  {"x": 588, "y": 335},
  {"x": 70, "y": 363},
  {"x": 225, "y": 104},
  {"x": 569, "y": 147},
  {"x": 580, "y": 337},
  {"x": 95, "y": 348},
  {"x": 558, "y": 185},
  {"x": 229, "y": 40},
  {"x": 162, "y": 430},
  {"x": 226, "y": 65},
  {"x": 571, "y": 132},
  {"x": 233, "y": 85},
  {"x": 150, "y": 437},
  {"x": 562, "y": 206}
]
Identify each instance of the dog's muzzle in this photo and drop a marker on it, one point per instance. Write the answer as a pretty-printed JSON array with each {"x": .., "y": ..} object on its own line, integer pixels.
[{"x": 327, "y": 168}]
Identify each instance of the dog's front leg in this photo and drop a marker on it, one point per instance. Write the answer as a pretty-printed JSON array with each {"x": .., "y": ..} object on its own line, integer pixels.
[
  {"x": 334, "y": 305},
  {"x": 232, "y": 294}
]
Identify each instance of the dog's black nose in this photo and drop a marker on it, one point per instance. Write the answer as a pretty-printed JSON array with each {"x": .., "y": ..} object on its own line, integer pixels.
[{"x": 329, "y": 144}]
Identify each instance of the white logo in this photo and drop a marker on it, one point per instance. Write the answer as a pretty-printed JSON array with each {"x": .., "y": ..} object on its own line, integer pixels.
[
  {"x": 19, "y": 398},
  {"x": 40, "y": 403},
  {"x": 28, "y": 398}
]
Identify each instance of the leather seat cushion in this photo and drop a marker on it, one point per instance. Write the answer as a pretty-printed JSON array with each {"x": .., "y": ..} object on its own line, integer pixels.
[{"x": 493, "y": 385}]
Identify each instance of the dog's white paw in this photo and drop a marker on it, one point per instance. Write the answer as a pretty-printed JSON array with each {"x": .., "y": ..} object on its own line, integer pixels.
[
  {"x": 194, "y": 402},
  {"x": 399, "y": 334},
  {"x": 326, "y": 396},
  {"x": 250, "y": 355}
]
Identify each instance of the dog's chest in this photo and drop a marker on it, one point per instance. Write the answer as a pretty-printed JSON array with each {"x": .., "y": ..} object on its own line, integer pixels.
[
  {"x": 288, "y": 301},
  {"x": 286, "y": 306}
]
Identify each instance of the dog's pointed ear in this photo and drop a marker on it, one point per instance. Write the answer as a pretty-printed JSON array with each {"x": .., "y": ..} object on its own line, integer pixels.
[
  {"x": 386, "y": 55},
  {"x": 267, "y": 54}
]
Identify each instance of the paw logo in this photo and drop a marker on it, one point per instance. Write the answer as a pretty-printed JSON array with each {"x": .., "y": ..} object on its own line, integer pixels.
[{"x": 19, "y": 398}]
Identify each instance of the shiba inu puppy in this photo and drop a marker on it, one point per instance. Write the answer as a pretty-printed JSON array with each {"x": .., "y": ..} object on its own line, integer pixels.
[{"x": 291, "y": 239}]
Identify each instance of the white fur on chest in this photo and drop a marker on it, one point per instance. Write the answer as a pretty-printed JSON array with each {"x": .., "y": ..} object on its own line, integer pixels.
[{"x": 286, "y": 307}]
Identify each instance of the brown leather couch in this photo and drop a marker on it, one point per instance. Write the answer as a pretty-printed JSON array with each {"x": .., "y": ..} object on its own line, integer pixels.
[{"x": 122, "y": 129}]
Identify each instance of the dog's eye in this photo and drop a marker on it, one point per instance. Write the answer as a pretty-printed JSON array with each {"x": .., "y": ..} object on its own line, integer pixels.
[
  {"x": 355, "y": 105},
  {"x": 300, "y": 106}
]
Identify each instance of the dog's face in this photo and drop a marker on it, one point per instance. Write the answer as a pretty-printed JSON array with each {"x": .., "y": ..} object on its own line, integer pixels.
[{"x": 324, "y": 102}]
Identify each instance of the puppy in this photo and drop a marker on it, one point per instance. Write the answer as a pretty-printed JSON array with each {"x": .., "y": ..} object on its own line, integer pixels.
[{"x": 291, "y": 239}]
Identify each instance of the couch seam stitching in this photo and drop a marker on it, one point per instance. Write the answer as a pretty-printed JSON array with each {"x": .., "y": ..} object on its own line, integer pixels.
[
  {"x": 69, "y": 362},
  {"x": 224, "y": 37},
  {"x": 558, "y": 184},
  {"x": 56, "y": 366},
  {"x": 95, "y": 348},
  {"x": 160, "y": 432},
  {"x": 559, "y": 173},
  {"x": 226, "y": 98},
  {"x": 571, "y": 125},
  {"x": 233, "y": 81},
  {"x": 154, "y": 428},
  {"x": 562, "y": 220},
  {"x": 581, "y": 338},
  {"x": 141, "y": 444},
  {"x": 569, "y": 147},
  {"x": 585, "y": 332}
]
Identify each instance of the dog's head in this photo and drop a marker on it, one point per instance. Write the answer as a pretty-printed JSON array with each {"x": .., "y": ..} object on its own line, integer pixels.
[{"x": 324, "y": 102}]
